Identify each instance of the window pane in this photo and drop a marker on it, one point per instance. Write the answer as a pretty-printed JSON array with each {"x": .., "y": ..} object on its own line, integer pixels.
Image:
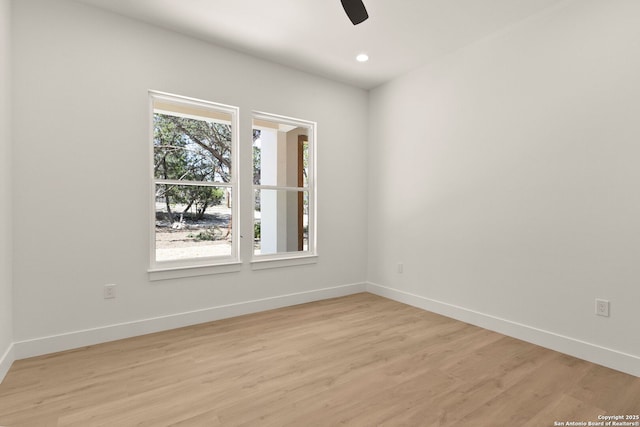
[
  {"x": 280, "y": 155},
  {"x": 192, "y": 222},
  {"x": 194, "y": 149},
  {"x": 281, "y": 221}
]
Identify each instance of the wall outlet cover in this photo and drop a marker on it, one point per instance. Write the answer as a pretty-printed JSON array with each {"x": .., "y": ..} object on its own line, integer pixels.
[{"x": 602, "y": 307}]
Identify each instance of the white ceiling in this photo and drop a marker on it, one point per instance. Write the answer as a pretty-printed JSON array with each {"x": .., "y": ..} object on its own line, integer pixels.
[{"x": 316, "y": 35}]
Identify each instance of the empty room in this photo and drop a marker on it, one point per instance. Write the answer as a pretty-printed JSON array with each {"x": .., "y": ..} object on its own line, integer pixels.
[{"x": 319, "y": 213}]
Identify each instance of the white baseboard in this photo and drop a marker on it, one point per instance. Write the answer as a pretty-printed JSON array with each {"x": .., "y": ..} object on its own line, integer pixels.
[
  {"x": 593, "y": 353},
  {"x": 6, "y": 361},
  {"x": 613, "y": 359},
  {"x": 82, "y": 338}
]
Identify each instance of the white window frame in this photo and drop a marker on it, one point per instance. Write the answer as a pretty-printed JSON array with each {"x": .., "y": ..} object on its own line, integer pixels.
[
  {"x": 285, "y": 259},
  {"x": 159, "y": 270}
]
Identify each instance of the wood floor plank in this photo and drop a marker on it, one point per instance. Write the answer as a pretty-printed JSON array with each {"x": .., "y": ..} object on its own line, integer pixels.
[
  {"x": 359, "y": 360},
  {"x": 565, "y": 409}
]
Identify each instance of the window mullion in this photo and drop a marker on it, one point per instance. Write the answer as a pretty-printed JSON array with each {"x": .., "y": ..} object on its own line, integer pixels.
[
  {"x": 278, "y": 187},
  {"x": 194, "y": 183}
]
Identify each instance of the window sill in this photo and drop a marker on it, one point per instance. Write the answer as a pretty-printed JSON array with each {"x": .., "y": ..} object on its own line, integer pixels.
[
  {"x": 282, "y": 261},
  {"x": 166, "y": 273}
]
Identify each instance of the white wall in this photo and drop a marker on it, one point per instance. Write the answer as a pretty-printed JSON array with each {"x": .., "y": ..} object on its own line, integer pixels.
[
  {"x": 6, "y": 322},
  {"x": 81, "y": 178},
  {"x": 505, "y": 177}
]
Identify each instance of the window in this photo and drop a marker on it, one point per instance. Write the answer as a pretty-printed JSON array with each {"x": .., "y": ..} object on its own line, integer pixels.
[
  {"x": 284, "y": 187},
  {"x": 194, "y": 182}
]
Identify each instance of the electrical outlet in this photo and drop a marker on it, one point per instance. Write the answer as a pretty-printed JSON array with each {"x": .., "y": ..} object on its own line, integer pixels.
[
  {"x": 400, "y": 267},
  {"x": 602, "y": 307},
  {"x": 109, "y": 291}
]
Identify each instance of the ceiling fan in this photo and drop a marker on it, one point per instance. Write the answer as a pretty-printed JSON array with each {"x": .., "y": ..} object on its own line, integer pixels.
[{"x": 356, "y": 11}]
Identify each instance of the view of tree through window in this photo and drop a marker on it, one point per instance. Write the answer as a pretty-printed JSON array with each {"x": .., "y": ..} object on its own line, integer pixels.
[{"x": 192, "y": 166}]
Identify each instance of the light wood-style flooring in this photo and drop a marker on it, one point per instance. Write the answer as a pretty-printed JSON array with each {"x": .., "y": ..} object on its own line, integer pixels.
[{"x": 359, "y": 360}]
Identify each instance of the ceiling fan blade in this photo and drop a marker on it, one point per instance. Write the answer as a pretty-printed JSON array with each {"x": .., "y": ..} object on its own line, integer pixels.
[{"x": 356, "y": 11}]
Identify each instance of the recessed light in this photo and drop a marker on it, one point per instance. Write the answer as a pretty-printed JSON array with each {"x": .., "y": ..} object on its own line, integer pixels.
[{"x": 363, "y": 57}]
